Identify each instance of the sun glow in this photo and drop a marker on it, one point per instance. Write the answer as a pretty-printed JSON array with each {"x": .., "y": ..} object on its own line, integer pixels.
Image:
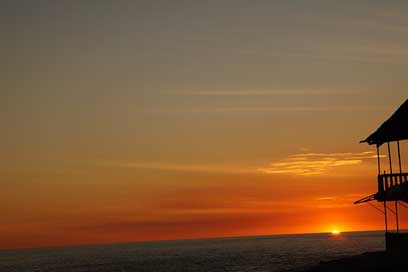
[{"x": 335, "y": 232}]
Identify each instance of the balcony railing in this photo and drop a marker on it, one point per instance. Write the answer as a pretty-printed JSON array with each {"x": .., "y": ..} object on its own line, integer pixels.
[{"x": 390, "y": 181}]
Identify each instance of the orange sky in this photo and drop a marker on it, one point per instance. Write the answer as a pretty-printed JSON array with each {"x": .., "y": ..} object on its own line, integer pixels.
[
  {"x": 110, "y": 204},
  {"x": 148, "y": 120}
]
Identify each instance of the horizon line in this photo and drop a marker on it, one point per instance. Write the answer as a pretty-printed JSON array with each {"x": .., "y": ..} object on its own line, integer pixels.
[{"x": 182, "y": 239}]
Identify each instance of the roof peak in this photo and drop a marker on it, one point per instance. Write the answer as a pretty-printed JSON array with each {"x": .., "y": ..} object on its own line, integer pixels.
[{"x": 393, "y": 129}]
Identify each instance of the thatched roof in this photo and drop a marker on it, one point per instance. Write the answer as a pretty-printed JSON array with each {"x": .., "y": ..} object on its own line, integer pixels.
[{"x": 394, "y": 129}]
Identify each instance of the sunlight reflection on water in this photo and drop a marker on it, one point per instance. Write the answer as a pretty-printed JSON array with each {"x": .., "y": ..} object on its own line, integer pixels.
[{"x": 264, "y": 253}]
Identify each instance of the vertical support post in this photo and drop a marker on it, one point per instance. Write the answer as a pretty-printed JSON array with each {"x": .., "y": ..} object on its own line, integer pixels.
[
  {"x": 385, "y": 215},
  {"x": 399, "y": 157},
  {"x": 396, "y": 214},
  {"x": 393, "y": 184},
  {"x": 400, "y": 181},
  {"x": 378, "y": 160},
  {"x": 389, "y": 157},
  {"x": 393, "y": 181},
  {"x": 379, "y": 179}
]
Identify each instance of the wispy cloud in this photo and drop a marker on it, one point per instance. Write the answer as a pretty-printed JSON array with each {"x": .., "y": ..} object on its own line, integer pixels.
[
  {"x": 303, "y": 164},
  {"x": 261, "y": 109},
  {"x": 309, "y": 164},
  {"x": 291, "y": 109},
  {"x": 326, "y": 198},
  {"x": 180, "y": 167},
  {"x": 333, "y": 201},
  {"x": 253, "y": 93}
]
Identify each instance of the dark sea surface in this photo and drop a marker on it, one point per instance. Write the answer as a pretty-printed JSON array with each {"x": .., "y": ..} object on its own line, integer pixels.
[{"x": 262, "y": 253}]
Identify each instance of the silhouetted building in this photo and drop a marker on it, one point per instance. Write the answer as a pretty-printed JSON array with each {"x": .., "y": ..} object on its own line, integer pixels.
[{"x": 392, "y": 185}]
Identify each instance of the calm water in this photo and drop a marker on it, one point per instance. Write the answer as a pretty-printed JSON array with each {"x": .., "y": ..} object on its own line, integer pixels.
[{"x": 266, "y": 253}]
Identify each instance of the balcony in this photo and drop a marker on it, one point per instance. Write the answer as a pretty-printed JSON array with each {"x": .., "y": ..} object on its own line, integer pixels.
[{"x": 392, "y": 187}]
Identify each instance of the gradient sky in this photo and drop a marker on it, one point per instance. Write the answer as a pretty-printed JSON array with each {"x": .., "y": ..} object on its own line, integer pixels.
[{"x": 145, "y": 120}]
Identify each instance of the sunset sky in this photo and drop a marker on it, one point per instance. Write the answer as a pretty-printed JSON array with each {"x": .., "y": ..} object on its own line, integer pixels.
[{"x": 147, "y": 120}]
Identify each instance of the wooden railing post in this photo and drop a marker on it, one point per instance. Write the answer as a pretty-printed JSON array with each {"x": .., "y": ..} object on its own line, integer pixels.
[{"x": 380, "y": 184}]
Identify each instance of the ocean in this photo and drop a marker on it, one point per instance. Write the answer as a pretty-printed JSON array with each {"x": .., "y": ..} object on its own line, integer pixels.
[{"x": 255, "y": 254}]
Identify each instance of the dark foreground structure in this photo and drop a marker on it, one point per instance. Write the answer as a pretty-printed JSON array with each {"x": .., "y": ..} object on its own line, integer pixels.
[
  {"x": 392, "y": 186},
  {"x": 367, "y": 262}
]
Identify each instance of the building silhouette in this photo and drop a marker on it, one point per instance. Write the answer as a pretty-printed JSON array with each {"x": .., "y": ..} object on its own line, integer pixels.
[{"x": 392, "y": 181}]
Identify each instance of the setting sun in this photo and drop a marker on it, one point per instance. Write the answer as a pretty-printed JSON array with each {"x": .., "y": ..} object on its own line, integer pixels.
[{"x": 335, "y": 232}]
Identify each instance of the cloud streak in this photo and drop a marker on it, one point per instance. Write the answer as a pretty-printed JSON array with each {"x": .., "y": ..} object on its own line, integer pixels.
[
  {"x": 179, "y": 167},
  {"x": 311, "y": 164},
  {"x": 302, "y": 164},
  {"x": 254, "y": 93},
  {"x": 260, "y": 109}
]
